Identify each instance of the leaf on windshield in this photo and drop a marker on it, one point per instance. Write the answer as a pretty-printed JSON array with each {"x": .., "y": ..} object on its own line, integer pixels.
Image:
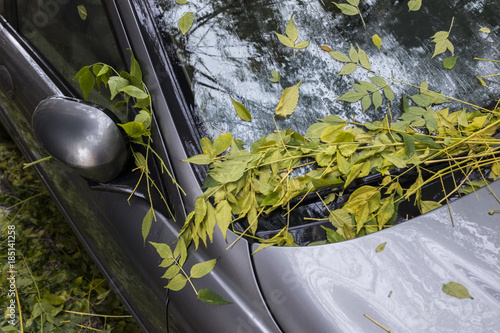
[
  {"x": 351, "y": 8},
  {"x": 414, "y": 5},
  {"x": 377, "y": 41},
  {"x": 450, "y": 62},
  {"x": 442, "y": 42},
  {"x": 241, "y": 110},
  {"x": 481, "y": 81},
  {"x": 181, "y": 2},
  {"x": 288, "y": 101},
  {"x": 186, "y": 22},
  {"x": 456, "y": 290},
  {"x": 82, "y": 11},
  {"x": 275, "y": 76},
  {"x": 485, "y": 30}
]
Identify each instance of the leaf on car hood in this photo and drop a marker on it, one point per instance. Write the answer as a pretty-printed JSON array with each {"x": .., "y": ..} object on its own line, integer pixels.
[{"x": 456, "y": 290}]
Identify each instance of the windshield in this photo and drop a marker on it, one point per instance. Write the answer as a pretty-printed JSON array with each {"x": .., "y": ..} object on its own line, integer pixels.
[
  {"x": 361, "y": 63},
  {"x": 232, "y": 49}
]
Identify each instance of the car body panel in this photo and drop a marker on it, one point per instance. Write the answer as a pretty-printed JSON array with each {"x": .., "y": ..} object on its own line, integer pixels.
[{"x": 333, "y": 286}]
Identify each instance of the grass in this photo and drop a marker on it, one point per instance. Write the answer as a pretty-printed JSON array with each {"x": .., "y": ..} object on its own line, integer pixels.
[{"x": 57, "y": 286}]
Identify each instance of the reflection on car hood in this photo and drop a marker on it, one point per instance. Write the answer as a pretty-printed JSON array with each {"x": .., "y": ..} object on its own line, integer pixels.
[{"x": 331, "y": 288}]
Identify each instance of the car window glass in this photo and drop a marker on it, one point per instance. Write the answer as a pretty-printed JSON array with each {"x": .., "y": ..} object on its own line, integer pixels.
[
  {"x": 232, "y": 49},
  {"x": 69, "y": 39},
  {"x": 2, "y": 7}
]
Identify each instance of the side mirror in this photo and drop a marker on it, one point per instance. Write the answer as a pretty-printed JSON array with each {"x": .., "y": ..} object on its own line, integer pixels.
[{"x": 82, "y": 136}]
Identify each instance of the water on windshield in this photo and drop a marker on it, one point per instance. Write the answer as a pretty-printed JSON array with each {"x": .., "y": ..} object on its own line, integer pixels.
[{"x": 231, "y": 50}]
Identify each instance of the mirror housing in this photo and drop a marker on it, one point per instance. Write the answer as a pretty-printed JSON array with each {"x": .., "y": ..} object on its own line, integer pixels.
[{"x": 82, "y": 136}]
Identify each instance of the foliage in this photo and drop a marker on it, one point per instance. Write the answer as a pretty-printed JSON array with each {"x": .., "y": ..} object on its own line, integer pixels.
[
  {"x": 129, "y": 86},
  {"x": 58, "y": 287}
]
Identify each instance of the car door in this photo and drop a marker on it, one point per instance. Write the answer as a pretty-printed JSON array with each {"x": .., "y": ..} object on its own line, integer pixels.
[{"x": 42, "y": 46}]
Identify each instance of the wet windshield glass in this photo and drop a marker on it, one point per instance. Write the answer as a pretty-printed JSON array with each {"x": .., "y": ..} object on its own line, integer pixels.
[{"x": 231, "y": 50}]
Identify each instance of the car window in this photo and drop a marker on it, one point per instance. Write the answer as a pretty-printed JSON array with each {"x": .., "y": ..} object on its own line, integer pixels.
[
  {"x": 231, "y": 50},
  {"x": 69, "y": 35},
  {"x": 2, "y": 7}
]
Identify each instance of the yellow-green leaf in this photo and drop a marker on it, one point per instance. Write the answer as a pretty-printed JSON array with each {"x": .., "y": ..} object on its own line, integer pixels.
[
  {"x": 291, "y": 30},
  {"x": 377, "y": 41},
  {"x": 275, "y": 76},
  {"x": 450, "y": 62},
  {"x": 347, "y": 9},
  {"x": 241, "y": 110},
  {"x": 427, "y": 206},
  {"x": 223, "y": 216},
  {"x": 203, "y": 268},
  {"x": 348, "y": 69},
  {"x": 456, "y": 290},
  {"x": 200, "y": 159},
  {"x": 381, "y": 247},
  {"x": 222, "y": 143},
  {"x": 284, "y": 40},
  {"x": 414, "y": 5},
  {"x": 363, "y": 59},
  {"x": 82, "y": 11},
  {"x": 481, "y": 81},
  {"x": 209, "y": 296},
  {"x": 146, "y": 223},
  {"x": 485, "y": 30},
  {"x": 186, "y": 22},
  {"x": 177, "y": 283},
  {"x": 288, "y": 101}
]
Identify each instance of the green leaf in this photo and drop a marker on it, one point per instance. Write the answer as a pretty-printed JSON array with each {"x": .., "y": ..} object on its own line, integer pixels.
[
  {"x": 87, "y": 82},
  {"x": 146, "y": 223},
  {"x": 456, "y": 290},
  {"x": 224, "y": 216},
  {"x": 350, "y": 96},
  {"x": 481, "y": 81},
  {"x": 377, "y": 99},
  {"x": 347, "y": 9},
  {"x": 82, "y": 12},
  {"x": 339, "y": 56},
  {"x": 203, "y": 268},
  {"x": 389, "y": 94},
  {"x": 363, "y": 59},
  {"x": 177, "y": 283},
  {"x": 181, "y": 2},
  {"x": 222, "y": 143},
  {"x": 171, "y": 272},
  {"x": 381, "y": 247},
  {"x": 288, "y": 101},
  {"x": 115, "y": 83},
  {"x": 291, "y": 31},
  {"x": 133, "y": 91},
  {"x": 201, "y": 159},
  {"x": 302, "y": 45},
  {"x": 135, "y": 70},
  {"x": 366, "y": 102},
  {"x": 414, "y": 5},
  {"x": 186, "y": 22},
  {"x": 354, "y": 2},
  {"x": 241, "y": 110},
  {"x": 485, "y": 30},
  {"x": 378, "y": 81},
  {"x": 348, "y": 69},
  {"x": 377, "y": 41},
  {"x": 163, "y": 250},
  {"x": 200, "y": 209},
  {"x": 134, "y": 129},
  {"x": 284, "y": 40},
  {"x": 450, "y": 62},
  {"x": 353, "y": 55},
  {"x": 275, "y": 76},
  {"x": 409, "y": 143},
  {"x": 209, "y": 296},
  {"x": 427, "y": 206}
]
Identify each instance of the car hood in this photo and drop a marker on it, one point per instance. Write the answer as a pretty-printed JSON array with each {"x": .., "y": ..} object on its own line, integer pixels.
[{"x": 339, "y": 287}]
